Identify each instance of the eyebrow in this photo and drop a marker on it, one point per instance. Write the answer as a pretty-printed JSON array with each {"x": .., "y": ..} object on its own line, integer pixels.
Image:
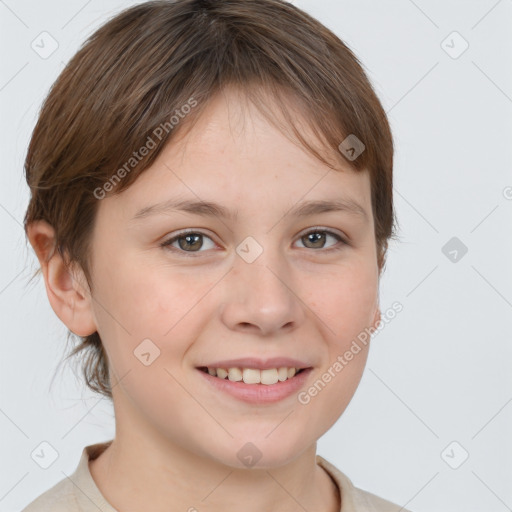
[{"x": 211, "y": 209}]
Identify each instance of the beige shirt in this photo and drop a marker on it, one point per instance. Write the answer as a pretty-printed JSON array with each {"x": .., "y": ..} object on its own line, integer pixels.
[{"x": 79, "y": 493}]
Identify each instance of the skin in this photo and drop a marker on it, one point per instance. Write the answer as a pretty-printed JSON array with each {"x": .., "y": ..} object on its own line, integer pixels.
[{"x": 177, "y": 438}]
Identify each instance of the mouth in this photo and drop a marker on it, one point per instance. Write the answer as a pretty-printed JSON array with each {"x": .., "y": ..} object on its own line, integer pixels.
[
  {"x": 257, "y": 381},
  {"x": 264, "y": 377}
]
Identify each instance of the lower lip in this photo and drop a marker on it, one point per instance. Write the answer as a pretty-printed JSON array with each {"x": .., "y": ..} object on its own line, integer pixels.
[{"x": 259, "y": 393}]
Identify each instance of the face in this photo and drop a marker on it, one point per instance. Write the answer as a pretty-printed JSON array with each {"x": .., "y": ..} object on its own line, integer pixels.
[{"x": 180, "y": 290}]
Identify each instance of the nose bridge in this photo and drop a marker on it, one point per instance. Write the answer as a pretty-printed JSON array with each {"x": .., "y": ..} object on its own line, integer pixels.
[{"x": 259, "y": 290}]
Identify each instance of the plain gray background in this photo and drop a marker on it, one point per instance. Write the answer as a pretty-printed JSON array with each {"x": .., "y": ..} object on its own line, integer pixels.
[{"x": 438, "y": 385}]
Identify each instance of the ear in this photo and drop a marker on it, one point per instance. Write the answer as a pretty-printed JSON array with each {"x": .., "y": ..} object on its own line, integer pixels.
[
  {"x": 377, "y": 314},
  {"x": 377, "y": 317},
  {"x": 68, "y": 294}
]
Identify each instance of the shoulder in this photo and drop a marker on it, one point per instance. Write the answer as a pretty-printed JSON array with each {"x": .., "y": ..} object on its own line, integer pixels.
[
  {"x": 368, "y": 501},
  {"x": 355, "y": 499},
  {"x": 77, "y": 492},
  {"x": 59, "y": 498}
]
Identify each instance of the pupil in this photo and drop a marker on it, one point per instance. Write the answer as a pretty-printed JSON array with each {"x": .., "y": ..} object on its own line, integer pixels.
[
  {"x": 318, "y": 237},
  {"x": 187, "y": 239}
]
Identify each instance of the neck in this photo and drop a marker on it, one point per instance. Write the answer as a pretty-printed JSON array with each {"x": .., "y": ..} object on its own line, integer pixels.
[{"x": 138, "y": 474}]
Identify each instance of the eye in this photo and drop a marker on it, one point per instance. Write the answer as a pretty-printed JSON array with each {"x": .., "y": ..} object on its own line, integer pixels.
[
  {"x": 188, "y": 241},
  {"x": 316, "y": 237},
  {"x": 192, "y": 241}
]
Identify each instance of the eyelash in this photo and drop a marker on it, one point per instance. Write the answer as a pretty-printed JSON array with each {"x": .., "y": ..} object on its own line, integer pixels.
[{"x": 167, "y": 244}]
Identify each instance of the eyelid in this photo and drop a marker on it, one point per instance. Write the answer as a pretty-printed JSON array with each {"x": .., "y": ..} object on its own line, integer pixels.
[
  {"x": 342, "y": 238},
  {"x": 330, "y": 231},
  {"x": 167, "y": 244}
]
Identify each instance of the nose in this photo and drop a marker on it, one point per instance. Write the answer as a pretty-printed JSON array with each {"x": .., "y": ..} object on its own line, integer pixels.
[{"x": 260, "y": 297}]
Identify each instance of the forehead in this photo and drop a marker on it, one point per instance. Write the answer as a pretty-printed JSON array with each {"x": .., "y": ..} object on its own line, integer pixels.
[{"x": 232, "y": 154}]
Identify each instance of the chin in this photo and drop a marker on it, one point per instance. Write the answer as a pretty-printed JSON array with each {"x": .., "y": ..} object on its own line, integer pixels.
[{"x": 259, "y": 453}]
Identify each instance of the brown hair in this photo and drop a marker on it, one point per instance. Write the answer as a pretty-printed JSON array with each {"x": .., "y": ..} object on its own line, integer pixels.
[{"x": 144, "y": 65}]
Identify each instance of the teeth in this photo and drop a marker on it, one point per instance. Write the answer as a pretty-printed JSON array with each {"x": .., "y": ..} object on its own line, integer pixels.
[
  {"x": 235, "y": 374},
  {"x": 282, "y": 373},
  {"x": 269, "y": 376},
  {"x": 253, "y": 375},
  {"x": 220, "y": 372}
]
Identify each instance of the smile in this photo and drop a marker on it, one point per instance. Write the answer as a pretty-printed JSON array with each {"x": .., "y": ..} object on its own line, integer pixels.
[{"x": 266, "y": 377}]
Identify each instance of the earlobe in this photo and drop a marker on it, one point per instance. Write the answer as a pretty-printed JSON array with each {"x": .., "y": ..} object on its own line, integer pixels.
[{"x": 71, "y": 303}]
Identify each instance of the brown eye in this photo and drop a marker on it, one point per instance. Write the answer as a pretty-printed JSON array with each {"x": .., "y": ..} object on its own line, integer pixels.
[
  {"x": 193, "y": 242},
  {"x": 190, "y": 241},
  {"x": 316, "y": 239}
]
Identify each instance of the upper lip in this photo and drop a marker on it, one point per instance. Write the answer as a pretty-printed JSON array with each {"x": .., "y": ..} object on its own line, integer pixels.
[{"x": 258, "y": 363}]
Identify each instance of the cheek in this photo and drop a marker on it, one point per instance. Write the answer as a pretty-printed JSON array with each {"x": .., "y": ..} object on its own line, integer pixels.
[
  {"x": 344, "y": 301},
  {"x": 343, "y": 304},
  {"x": 149, "y": 315},
  {"x": 148, "y": 300}
]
